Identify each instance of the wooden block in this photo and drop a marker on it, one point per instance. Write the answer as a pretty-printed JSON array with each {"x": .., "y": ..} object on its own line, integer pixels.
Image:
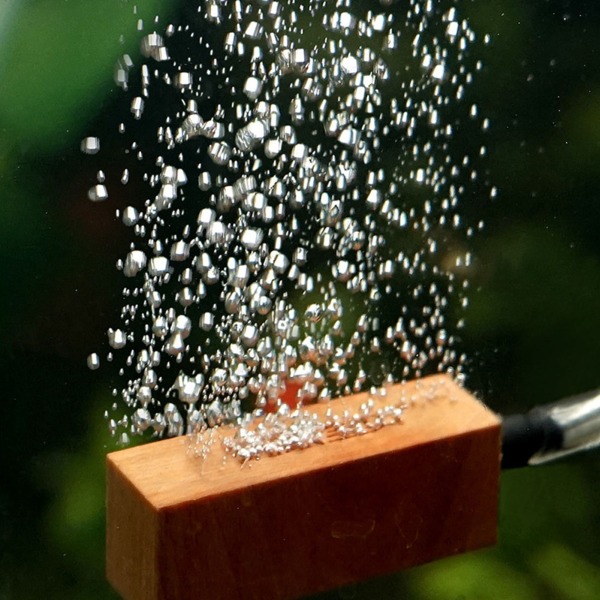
[{"x": 180, "y": 528}]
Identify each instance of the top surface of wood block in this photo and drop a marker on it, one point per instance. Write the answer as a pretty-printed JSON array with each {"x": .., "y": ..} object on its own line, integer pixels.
[{"x": 165, "y": 473}]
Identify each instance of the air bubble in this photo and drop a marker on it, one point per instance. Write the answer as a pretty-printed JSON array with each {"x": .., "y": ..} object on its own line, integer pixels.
[
  {"x": 98, "y": 193},
  {"x": 90, "y": 145},
  {"x": 93, "y": 361}
]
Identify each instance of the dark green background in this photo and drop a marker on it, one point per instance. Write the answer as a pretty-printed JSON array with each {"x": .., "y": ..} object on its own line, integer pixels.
[{"x": 533, "y": 328}]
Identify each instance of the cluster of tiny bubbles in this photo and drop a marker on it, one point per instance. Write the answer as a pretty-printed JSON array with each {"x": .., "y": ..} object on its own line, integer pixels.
[
  {"x": 289, "y": 429},
  {"x": 300, "y": 227}
]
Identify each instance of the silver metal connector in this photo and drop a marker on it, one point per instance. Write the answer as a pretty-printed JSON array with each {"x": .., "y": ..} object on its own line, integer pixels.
[{"x": 578, "y": 418}]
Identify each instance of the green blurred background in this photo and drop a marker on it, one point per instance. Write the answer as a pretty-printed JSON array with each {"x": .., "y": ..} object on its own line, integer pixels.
[{"x": 533, "y": 327}]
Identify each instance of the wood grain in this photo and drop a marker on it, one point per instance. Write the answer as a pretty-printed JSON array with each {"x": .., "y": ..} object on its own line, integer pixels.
[{"x": 181, "y": 528}]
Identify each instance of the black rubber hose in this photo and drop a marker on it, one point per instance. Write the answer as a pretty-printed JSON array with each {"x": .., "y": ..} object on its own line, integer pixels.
[{"x": 523, "y": 436}]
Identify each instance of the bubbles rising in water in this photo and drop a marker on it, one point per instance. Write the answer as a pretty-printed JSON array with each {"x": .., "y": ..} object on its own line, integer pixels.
[{"x": 301, "y": 224}]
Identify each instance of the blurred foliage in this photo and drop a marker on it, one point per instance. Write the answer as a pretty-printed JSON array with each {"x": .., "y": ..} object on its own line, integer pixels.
[
  {"x": 56, "y": 60},
  {"x": 533, "y": 326}
]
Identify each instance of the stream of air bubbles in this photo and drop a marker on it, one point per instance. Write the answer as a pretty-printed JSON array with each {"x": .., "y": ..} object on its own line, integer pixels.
[{"x": 301, "y": 231}]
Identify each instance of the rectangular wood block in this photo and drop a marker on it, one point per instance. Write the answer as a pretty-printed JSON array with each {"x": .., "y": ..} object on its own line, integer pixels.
[{"x": 180, "y": 528}]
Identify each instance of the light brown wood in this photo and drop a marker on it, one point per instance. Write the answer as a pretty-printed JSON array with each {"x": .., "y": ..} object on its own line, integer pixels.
[{"x": 182, "y": 528}]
